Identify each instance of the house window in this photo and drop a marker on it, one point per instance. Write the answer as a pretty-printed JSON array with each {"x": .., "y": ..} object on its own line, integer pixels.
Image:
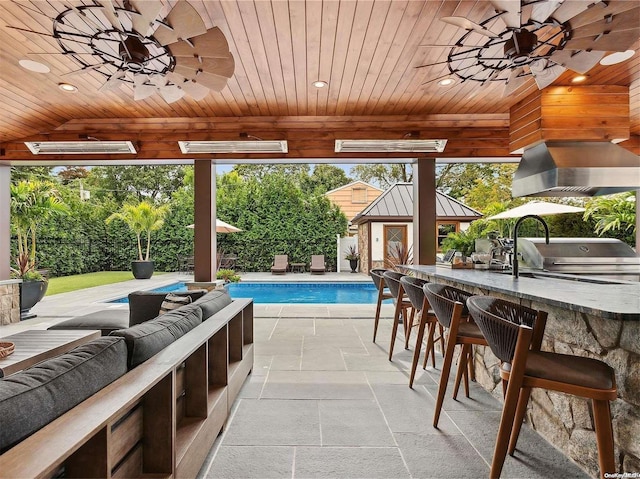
[
  {"x": 444, "y": 229},
  {"x": 358, "y": 195}
]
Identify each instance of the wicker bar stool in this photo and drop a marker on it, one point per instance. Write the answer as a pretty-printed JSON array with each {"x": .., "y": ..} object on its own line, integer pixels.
[
  {"x": 415, "y": 293},
  {"x": 449, "y": 304},
  {"x": 402, "y": 308},
  {"x": 508, "y": 329},
  {"x": 383, "y": 293}
]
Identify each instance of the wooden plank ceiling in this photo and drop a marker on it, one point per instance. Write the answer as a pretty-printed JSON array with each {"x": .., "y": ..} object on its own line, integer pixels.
[{"x": 367, "y": 51}]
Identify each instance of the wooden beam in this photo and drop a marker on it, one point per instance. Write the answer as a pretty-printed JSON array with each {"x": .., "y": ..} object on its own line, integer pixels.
[{"x": 204, "y": 243}]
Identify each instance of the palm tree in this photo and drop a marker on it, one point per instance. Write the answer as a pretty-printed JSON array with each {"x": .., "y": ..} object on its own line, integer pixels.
[
  {"x": 31, "y": 203},
  {"x": 142, "y": 218}
]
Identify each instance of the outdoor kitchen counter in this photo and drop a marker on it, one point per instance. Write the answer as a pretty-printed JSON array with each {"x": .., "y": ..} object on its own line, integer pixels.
[
  {"x": 611, "y": 301},
  {"x": 600, "y": 321}
]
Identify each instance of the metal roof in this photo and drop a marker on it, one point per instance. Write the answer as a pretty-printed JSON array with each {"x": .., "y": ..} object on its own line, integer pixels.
[{"x": 397, "y": 201}]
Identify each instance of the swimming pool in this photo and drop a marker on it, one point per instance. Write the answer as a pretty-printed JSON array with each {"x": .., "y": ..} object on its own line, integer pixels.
[{"x": 299, "y": 293}]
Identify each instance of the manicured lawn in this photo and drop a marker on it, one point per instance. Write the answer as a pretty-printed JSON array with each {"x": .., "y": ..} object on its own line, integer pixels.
[{"x": 65, "y": 284}]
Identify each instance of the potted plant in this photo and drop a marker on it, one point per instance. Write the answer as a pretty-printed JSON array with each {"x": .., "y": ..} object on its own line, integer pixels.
[
  {"x": 31, "y": 203},
  {"x": 142, "y": 218},
  {"x": 353, "y": 256}
]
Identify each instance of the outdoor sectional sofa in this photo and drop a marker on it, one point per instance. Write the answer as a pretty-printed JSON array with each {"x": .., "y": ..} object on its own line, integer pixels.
[{"x": 148, "y": 399}]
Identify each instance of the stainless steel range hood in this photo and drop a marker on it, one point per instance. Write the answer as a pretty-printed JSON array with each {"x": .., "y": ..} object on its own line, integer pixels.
[{"x": 576, "y": 169}]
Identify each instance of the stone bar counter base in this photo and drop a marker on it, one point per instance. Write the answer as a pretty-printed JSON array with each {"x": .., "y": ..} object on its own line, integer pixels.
[
  {"x": 9, "y": 302},
  {"x": 563, "y": 420}
]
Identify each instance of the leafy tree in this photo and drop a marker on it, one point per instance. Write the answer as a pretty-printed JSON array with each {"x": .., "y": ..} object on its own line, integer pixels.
[
  {"x": 259, "y": 171},
  {"x": 70, "y": 173},
  {"x": 384, "y": 175},
  {"x": 138, "y": 183},
  {"x": 614, "y": 214},
  {"x": 325, "y": 178},
  {"x": 477, "y": 184},
  {"x": 142, "y": 218},
  {"x": 27, "y": 173}
]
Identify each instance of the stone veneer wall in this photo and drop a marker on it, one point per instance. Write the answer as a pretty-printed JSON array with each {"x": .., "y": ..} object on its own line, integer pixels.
[
  {"x": 9, "y": 303},
  {"x": 567, "y": 421},
  {"x": 363, "y": 248}
]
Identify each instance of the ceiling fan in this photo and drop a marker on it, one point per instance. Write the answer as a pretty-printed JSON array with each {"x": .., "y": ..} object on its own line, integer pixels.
[
  {"x": 539, "y": 38},
  {"x": 140, "y": 44}
]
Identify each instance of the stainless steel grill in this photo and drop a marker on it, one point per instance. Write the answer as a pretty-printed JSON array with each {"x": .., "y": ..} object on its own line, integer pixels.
[{"x": 601, "y": 257}]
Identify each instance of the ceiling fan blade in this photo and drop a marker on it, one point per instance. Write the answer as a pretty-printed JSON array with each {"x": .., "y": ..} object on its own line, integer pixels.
[
  {"x": 211, "y": 81},
  {"x": 581, "y": 61},
  {"x": 543, "y": 10},
  {"x": 512, "y": 11},
  {"x": 140, "y": 79},
  {"x": 157, "y": 80},
  {"x": 212, "y": 44},
  {"x": 110, "y": 12},
  {"x": 610, "y": 42},
  {"x": 516, "y": 79},
  {"x": 171, "y": 93},
  {"x": 195, "y": 90},
  {"x": 90, "y": 22},
  {"x": 113, "y": 82},
  {"x": 629, "y": 20},
  {"x": 469, "y": 25},
  {"x": 147, "y": 13},
  {"x": 545, "y": 74},
  {"x": 600, "y": 11},
  {"x": 571, "y": 8},
  {"x": 184, "y": 22},
  {"x": 218, "y": 66},
  {"x": 140, "y": 92}
]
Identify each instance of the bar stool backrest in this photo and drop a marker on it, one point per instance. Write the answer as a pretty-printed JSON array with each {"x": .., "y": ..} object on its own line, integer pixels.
[
  {"x": 392, "y": 280},
  {"x": 377, "y": 277},
  {"x": 500, "y": 322},
  {"x": 413, "y": 287},
  {"x": 443, "y": 298}
]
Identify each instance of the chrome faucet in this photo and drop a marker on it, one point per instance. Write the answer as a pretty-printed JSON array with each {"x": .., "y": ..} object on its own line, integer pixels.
[{"x": 515, "y": 239}]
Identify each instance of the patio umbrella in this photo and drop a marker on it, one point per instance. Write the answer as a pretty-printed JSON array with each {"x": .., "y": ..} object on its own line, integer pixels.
[
  {"x": 540, "y": 208},
  {"x": 222, "y": 227}
]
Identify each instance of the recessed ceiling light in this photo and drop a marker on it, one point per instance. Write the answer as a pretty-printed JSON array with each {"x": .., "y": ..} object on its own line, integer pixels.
[
  {"x": 68, "y": 87},
  {"x": 578, "y": 78},
  {"x": 34, "y": 66},
  {"x": 446, "y": 82},
  {"x": 617, "y": 57},
  {"x": 320, "y": 84}
]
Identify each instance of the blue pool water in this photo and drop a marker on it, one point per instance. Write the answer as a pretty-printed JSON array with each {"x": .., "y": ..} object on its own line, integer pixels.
[{"x": 306, "y": 293}]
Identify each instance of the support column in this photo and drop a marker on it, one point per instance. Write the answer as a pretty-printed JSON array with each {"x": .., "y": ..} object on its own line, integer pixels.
[
  {"x": 5, "y": 222},
  {"x": 204, "y": 237},
  {"x": 424, "y": 211}
]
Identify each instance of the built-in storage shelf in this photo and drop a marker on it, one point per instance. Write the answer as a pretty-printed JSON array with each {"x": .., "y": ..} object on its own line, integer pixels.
[{"x": 173, "y": 405}]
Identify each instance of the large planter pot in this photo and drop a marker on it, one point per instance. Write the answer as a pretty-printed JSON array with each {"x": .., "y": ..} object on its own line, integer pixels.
[
  {"x": 31, "y": 292},
  {"x": 354, "y": 265},
  {"x": 142, "y": 269}
]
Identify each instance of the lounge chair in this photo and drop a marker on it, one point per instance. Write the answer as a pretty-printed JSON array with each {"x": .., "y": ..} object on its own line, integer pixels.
[
  {"x": 280, "y": 264},
  {"x": 318, "y": 265}
]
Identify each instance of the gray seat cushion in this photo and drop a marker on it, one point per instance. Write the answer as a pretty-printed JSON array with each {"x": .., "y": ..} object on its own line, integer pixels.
[
  {"x": 106, "y": 321},
  {"x": 145, "y": 305},
  {"x": 147, "y": 339},
  {"x": 32, "y": 398},
  {"x": 212, "y": 302}
]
